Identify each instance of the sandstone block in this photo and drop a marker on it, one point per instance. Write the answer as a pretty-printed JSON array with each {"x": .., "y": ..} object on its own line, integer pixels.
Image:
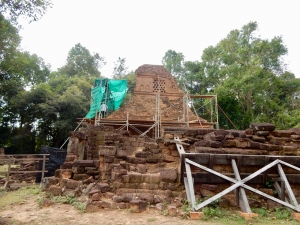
[
  {"x": 138, "y": 206},
  {"x": 107, "y": 150},
  {"x": 258, "y": 139},
  {"x": 168, "y": 175},
  {"x": 96, "y": 197},
  {"x": 141, "y": 168},
  {"x": 151, "y": 178},
  {"x": 262, "y": 126},
  {"x": 82, "y": 176},
  {"x": 54, "y": 190},
  {"x": 104, "y": 187},
  {"x": 136, "y": 160},
  {"x": 73, "y": 184},
  {"x": 262, "y": 133}
]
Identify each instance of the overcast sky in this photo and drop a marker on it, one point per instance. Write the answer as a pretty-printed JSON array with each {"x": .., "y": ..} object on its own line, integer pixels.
[{"x": 143, "y": 30}]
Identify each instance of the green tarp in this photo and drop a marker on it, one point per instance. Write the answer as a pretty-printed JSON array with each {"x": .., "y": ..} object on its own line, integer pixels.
[{"x": 112, "y": 92}]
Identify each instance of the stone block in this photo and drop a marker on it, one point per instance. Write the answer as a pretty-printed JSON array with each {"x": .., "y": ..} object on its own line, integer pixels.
[
  {"x": 215, "y": 144},
  {"x": 63, "y": 173},
  {"x": 191, "y": 132},
  {"x": 168, "y": 158},
  {"x": 262, "y": 133},
  {"x": 136, "y": 160},
  {"x": 138, "y": 206},
  {"x": 86, "y": 163},
  {"x": 135, "y": 177},
  {"x": 78, "y": 169},
  {"x": 254, "y": 145},
  {"x": 282, "y": 133},
  {"x": 229, "y": 143},
  {"x": 169, "y": 136},
  {"x": 142, "y": 154},
  {"x": 71, "y": 158},
  {"x": 168, "y": 175},
  {"x": 202, "y": 143},
  {"x": 149, "y": 186},
  {"x": 105, "y": 204},
  {"x": 82, "y": 176},
  {"x": 109, "y": 159},
  {"x": 55, "y": 190},
  {"x": 258, "y": 139},
  {"x": 96, "y": 197},
  {"x": 121, "y": 154},
  {"x": 151, "y": 178},
  {"x": 172, "y": 211},
  {"x": 262, "y": 126},
  {"x": 141, "y": 168},
  {"x": 150, "y": 145},
  {"x": 196, "y": 215},
  {"x": 73, "y": 184},
  {"x": 154, "y": 159},
  {"x": 107, "y": 150},
  {"x": 104, "y": 187},
  {"x": 237, "y": 133},
  {"x": 148, "y": 197},
  {"x": 242, "y": 142}
]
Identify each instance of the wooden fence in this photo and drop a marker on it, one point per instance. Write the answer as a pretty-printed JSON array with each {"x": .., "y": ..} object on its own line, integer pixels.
[{"x": 11, "y": 160}]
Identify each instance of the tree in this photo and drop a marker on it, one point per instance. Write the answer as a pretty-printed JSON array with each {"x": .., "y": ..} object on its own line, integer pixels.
[
  {"x": 80, "y": 62},
  {"x": 174, "y": 63},
  {"x": 120, "y": 69},
  {"x": 30, "y": 9},
  {"x": 247, "y": 68}
]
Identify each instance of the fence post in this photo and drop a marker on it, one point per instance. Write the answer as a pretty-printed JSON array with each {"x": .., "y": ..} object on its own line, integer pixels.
[
  {"x": 8, "y": 173},
  {"x": 44, "y": 165}
]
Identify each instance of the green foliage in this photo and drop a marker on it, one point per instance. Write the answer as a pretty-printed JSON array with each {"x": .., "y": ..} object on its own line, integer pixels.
[
  {"x": 212, "y": 212},
  {"x": 81, "y": 63},
  {"x": 120, "y": 69},
  {"x": 30, "y": 9}
]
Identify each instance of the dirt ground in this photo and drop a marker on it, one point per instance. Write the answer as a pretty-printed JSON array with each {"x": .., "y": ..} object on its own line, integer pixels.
[
  {"x": 23, "y": 207},
  {"x": 28, "y": 212}
]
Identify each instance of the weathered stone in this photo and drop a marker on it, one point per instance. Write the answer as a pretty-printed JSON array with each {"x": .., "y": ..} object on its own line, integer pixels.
[
  {"x": 147, "y": 197},
  {"x": 104, "y": 187},
  {"x": 150, "y": 145},
  {"x": 202, "y": 143},
  {"x": 258, "y": 139},
  {"x": 172, "y": 211},
  {"x": 54, "y": 190},
  {"x": 105, "y": 204},
  {"x": 151, "y": 178},
  {"x": 262, "y": 133},
  {"x": 109, "y": 159},
  {"x": 270, "y": 147},
  {"x": 138, "y": 206},
  {"x": 73, "y": 184},
  {"x": 254, "y": 145},
  {"x": 80, "y": 176},
  {"x": 153, "y": 159},
  {"x": 237, "y": 133},
  {"x": 141, "y": 168},
  {"x": 295, "y": 137},
  {"x": 242, "y": 142},
  {"x": 229, "y": 143},
  {"x": 142, "y": 154},
  {"x": 63, "y": 173},
  {"x": 107, "y": 150},
  {"x": 215, "y": 144},
  {"x": 191, "y": 132},
  {"x": 136, "y": 160},
  {"x": 86, "y": 163},
  {"x": 168, "y": 175},
  {"x": 78, "y": 169},
  {"x": 168, "y": 158},
  {"x": 71, "y": 158},
  {"x": 262, "y": 126},
  {"x": 282, "y": 133},
  {"x": 96, "y": 197}
]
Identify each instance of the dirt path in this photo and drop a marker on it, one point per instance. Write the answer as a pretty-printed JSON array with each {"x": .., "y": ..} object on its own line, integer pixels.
[{"x": 28, "y": 212}]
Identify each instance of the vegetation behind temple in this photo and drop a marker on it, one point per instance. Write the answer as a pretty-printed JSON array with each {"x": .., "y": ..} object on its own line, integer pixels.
[{"x": 39, "y": 106}]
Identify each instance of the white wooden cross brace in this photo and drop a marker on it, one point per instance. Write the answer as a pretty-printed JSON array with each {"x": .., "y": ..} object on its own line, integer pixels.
[{"x": 237, "y": 183}]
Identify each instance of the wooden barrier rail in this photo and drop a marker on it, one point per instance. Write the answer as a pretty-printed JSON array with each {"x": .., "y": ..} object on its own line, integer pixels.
[{"x": 13, "y": 159}]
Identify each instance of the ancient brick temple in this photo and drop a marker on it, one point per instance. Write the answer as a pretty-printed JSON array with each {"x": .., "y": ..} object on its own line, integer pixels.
[
  {"x": 156, "y": 92},
  {"x": 111, "y": 168}
]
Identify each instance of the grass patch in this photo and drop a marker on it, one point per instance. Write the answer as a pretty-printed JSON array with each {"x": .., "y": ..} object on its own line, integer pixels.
[{"x": 18, "y": 196}]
